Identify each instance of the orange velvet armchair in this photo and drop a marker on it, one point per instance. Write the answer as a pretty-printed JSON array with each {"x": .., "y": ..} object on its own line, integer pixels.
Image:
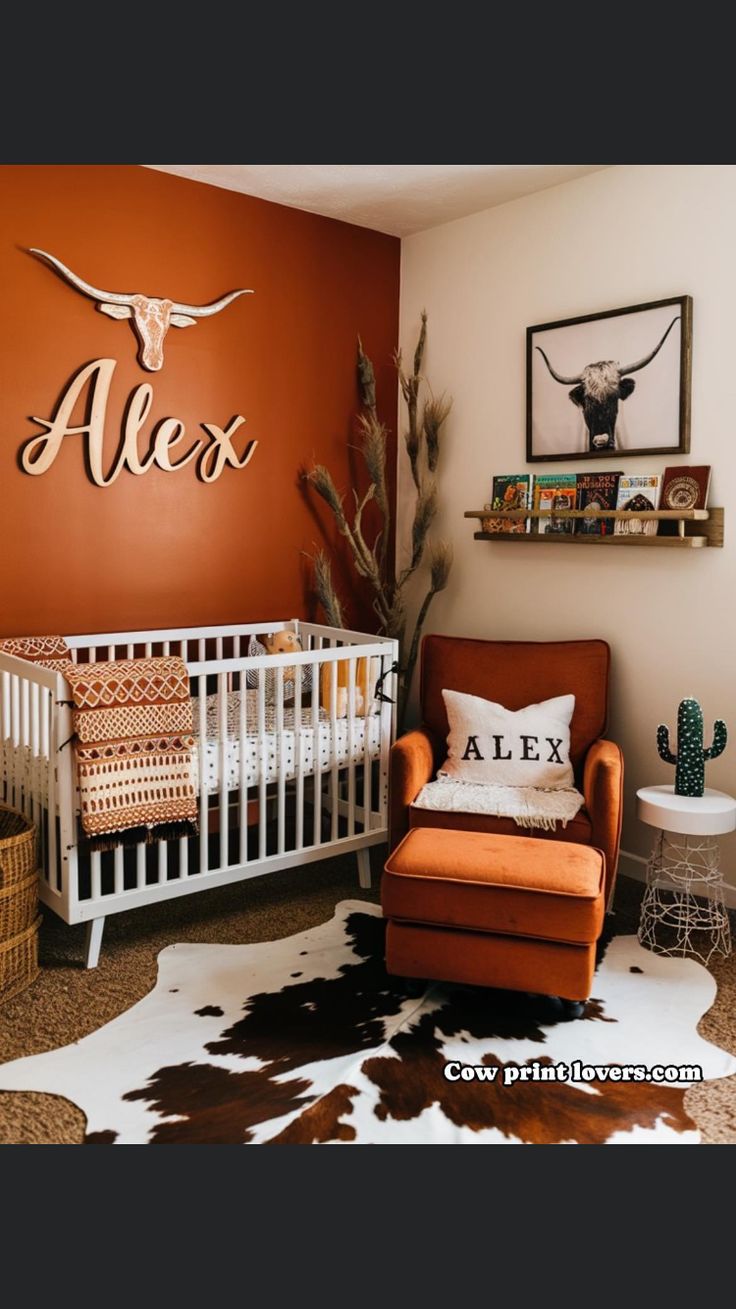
[{"x": 514, "y": 674}]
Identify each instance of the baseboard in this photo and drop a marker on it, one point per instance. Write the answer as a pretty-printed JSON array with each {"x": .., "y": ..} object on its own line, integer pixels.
[{"x": 635, "y": 865}]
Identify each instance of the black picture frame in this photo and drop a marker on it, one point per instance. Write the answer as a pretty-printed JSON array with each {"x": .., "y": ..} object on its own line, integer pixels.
[{"x": 594, "y": 406}]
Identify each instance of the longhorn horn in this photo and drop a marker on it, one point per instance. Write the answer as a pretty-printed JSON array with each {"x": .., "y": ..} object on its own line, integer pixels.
[
  {"x": 206, "y": 311},
  {"x": 118, "y": 298},
  {"x": 566, "y": 381},
  {"x": 109, "y": 297},
  {"x": 642, "y": 363}
]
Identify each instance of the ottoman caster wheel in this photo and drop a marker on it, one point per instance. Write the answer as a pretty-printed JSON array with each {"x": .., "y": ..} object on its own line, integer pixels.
[{"x": 571, "y": 1009}]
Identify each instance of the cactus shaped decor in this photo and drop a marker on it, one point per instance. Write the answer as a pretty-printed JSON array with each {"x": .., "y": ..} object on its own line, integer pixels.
[{"x": 690, "y": 758}]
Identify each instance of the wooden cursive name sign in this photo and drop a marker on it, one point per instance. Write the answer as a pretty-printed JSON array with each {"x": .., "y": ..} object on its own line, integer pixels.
[{"x": 39, "y": 453}]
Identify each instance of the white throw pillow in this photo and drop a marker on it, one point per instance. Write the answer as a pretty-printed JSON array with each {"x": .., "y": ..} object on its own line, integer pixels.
[{"x": 490, "y": 744}]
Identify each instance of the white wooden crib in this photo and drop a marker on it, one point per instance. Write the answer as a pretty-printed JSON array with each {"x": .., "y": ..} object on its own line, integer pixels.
[{"x": 282, "y": 780}]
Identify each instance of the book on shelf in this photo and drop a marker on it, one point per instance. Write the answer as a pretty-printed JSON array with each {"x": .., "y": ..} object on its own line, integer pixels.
[
  {"x": 510, "y": 491},
  {"x": 685, "y": 487},
  {"x": 596, "y": 491},
  {"x": 555, "y": 491},
  {"x": 639, "y": 492}
]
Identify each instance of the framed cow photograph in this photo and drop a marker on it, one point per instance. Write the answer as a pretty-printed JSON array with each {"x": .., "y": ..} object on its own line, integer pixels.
[{"x": 611, "y": 383}]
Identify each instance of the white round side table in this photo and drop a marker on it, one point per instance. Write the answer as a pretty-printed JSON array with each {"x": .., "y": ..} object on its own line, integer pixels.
[{"x": 684, "y": 911}]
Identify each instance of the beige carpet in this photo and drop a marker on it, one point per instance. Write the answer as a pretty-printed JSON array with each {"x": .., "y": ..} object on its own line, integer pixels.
[{"x": 67, "y": 1002}]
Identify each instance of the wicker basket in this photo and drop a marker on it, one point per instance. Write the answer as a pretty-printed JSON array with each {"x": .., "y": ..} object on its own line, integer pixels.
[
  {"x": 19, "y": 962},
  {"x": 17, "y": 846},
  {"x": 18, "y": 906}
]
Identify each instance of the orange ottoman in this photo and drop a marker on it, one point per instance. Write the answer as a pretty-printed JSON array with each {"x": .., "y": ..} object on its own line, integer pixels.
[{"x": 504, "y": 911}]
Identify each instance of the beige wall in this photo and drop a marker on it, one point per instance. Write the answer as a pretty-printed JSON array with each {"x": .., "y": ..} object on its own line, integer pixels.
[{"x": 622, "y": 236}]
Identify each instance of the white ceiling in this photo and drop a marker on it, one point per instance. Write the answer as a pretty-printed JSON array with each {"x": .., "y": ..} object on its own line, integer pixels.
[{"x": 394, "y": 198}]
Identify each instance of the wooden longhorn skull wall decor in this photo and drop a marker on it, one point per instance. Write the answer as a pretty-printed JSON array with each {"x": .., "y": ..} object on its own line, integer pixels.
[{"x": 151, "y": 318}]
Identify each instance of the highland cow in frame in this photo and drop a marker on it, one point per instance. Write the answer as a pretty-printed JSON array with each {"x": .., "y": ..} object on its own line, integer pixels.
[{"x": 611, "y": 384}]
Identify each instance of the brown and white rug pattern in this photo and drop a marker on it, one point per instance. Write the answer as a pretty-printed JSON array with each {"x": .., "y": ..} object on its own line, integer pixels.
[{"x": 307, "y": 1039}]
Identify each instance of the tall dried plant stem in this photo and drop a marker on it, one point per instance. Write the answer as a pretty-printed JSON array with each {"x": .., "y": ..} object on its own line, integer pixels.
[
  {"x": 422, "y": 441},
  {"x": 440, "y": 566}
]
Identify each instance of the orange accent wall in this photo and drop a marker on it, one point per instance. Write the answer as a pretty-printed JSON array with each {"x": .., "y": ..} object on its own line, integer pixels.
[{"x": 163, "y": 549}]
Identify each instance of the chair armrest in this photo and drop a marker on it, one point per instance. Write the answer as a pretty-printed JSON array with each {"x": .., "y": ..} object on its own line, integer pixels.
[
  {"x": 603, "y": 780},
  {"x": 414, "y": 761}
]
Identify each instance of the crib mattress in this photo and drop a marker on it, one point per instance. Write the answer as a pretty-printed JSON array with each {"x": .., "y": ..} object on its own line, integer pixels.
[
  {"x": 274, "y": 754},
  {"x": 268, "y": 755}
]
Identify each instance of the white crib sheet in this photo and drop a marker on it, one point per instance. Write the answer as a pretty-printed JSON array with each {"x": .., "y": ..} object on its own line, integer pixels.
[{"x": 275, "y": 754}]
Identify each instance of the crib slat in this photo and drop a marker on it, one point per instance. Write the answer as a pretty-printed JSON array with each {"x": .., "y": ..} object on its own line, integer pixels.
[
  {"x": 183, "y": 857},
  {"x": 96, "y": 872},
  {"x": 111, "y": 652},
  {"x": 7, "y": 735},
  {"x": 243, "y": 789},
  {"x": 45, "y": 697},
  {"x": 148, "y": 649},
  {"x": 316, "y": 769},
  {"x": 14, "y": 702},
  {"x": 4, "y": 710},
  {"x": 388, "y": 724},
  {"x": 140, "y": 865},
  {"x": 367, "y": 758},
  {"x": 53, "y": 871},
  {"x": 129, "y": 651},
  {"x": 118, "y": 869},
  {"x": 222, "y": 753},
  {"x": 35, "y": 762},
  {"x": 334, "y": 770},
  {"x": 203, "y": 831},
  {"x": 162, "y": 848},
  {"x": 298, "y": 763},
  {"x": 262, "y": 763},
  {"x": 351, "y": 746},
  {"x": 17, "y": 740},
  {"x": 281, "y": 778},
  {"x": 25, "y": 737},
  {"x": 45, "y": 722},
  {"x": 3, "y": 739},
  {"x": 166, "y": 648}
]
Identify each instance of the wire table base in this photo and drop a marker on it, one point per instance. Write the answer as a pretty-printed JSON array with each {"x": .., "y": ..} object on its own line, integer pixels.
[{"x": 683, "y": 912}]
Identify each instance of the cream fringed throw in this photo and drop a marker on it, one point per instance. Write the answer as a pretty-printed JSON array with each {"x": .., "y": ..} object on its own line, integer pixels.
[
  {"x": 133, "y": 727},
  {"x": 527, "y": 805}
]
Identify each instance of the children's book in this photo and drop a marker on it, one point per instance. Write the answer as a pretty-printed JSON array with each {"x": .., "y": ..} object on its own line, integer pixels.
[
  {"x": 596, "y": 491},
  {"x": 510, "y": 491},
  {"x": 555, "y": 491},
  {"x": 685, "y": 487},
  {"x": 638, "y": 492}
]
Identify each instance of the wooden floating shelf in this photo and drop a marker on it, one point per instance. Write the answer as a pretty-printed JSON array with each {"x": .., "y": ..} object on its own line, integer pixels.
[{"x": 697, "y": 528}]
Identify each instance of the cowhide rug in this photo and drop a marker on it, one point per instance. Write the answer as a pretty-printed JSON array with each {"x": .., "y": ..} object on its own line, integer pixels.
[{"x": 308, "y": 1039}]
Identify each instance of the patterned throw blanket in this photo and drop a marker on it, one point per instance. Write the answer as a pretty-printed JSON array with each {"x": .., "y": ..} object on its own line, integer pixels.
[
  {"x": 133, "y": 734},
  {"x": 49, "y": 651},
  {"x": 134, "y": 738}
]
